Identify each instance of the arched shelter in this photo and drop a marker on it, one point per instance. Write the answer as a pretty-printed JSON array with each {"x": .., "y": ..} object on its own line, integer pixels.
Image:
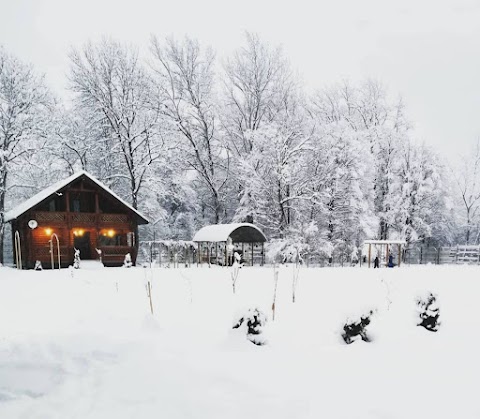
[
  {"x": 387, "y": 248},
  {"x": 217, "y": 243}
]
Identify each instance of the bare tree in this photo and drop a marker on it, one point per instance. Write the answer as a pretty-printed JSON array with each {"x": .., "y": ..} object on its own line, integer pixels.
[
  {"x": 185, "y": 74},
  {"x": 78, "y": 140},
  {"x": 468, "y": 185},
  {"x": 24, "y": 100},
  {"x": 258, "y": 84},
  {"x": 111, "y": 83}
]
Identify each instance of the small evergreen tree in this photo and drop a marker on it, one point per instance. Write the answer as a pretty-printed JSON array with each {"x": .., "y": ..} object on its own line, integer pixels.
[
  {"x": 127, "y": 262},
  {"x": 76, "y": 259}
]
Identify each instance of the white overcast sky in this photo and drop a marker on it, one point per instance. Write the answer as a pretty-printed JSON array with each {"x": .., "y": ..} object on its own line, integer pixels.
[{"x": 424, "y": 50}]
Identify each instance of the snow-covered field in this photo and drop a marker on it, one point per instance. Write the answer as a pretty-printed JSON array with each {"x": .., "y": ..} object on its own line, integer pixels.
[{"x": 86, "y": 346}]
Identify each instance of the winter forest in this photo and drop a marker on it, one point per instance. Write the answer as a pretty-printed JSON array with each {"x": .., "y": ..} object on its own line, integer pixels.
[{"x": 191, "y": 137}]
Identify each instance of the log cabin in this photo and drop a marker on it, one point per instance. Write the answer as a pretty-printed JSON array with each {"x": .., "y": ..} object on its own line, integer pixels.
[{"x": 84, "y": 214}]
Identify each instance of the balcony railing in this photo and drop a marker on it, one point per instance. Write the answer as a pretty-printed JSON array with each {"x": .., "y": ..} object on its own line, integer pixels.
[{"x": 79, "y": 218}]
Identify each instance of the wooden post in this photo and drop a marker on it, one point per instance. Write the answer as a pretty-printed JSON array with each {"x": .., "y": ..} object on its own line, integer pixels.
[
  {"x": 243, "y": 250},
  {"x": 251, "y": 244},
  {"x": 150, "y": 296},
  {"x": 263, "y": 255},
  {"x": 399, "y": 255},
  {"x": 216, "y": 253},
  {"x": 369, "y": 253},
  {"x": 226, "y": 255},
  {"x": 387, "y": 255},
  {"x": 208, "y": 253}
]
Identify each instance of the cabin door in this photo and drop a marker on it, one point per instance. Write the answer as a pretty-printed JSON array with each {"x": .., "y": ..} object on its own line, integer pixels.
[{"x": 83, "y": 244}]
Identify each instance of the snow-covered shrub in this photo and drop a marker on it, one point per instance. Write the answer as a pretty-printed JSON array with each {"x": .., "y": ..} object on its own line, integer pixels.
[
  {"x": 286, "y": 251},
  {"x": 429, "y": 312},
  {"x": 99, "y": 253},
  {"x": 355, "y": 329},
  {"x": 253, "y": 323},
  {"x": 38, "y": 266},
  {"x": 76, "y": 259},
  {"x": 127, "y": 262}
]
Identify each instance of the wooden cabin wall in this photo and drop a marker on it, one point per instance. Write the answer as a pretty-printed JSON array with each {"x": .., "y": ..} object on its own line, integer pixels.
[{"x": 35, "y": 243}]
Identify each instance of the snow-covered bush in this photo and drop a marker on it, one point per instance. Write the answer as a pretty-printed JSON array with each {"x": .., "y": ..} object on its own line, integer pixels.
[
  {"x": 127, "y": 262},
  {"x": 99, "y": 253},
  {"x": 355, "y": 329},
  {"x": 253, "y": 323},
  {"x": 429, "y": 312},
  {"x": 286, "y": 251},
  {"x": 76, "y": 259}
]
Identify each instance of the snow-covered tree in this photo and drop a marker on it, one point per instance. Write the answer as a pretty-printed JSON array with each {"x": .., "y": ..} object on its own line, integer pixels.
[
  {"x": 110, "y": 81},
  {"x": 421, "y": 208},
  {"x": 79, "y": 140},
  {"x": 258, "y": 80},
  {"x": 467, "y": 179},
  {"x": 25, "y": 109},
  {"x": 184, "y": 73}
]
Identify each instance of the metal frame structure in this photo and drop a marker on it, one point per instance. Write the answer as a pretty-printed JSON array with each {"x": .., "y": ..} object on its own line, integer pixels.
[
  {"x": 387, "y": 244},
  {"x": 52, "y": 250}
]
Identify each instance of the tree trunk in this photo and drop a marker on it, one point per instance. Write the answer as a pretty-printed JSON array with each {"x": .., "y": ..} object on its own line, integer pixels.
[{"x": 3, "y": 181}]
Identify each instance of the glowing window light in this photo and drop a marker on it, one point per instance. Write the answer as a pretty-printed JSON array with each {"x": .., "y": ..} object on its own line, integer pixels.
[
  {"x": 48, "y": 231},
  {"x": 111, "y": 233}
]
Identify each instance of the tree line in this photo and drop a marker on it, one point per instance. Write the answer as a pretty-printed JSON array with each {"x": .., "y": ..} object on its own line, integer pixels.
[{"x": 192, "y": 139}]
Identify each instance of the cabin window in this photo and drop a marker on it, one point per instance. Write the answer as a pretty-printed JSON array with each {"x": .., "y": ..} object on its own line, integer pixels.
[
  {"x": 109, "y": 206},
  {"x": 131, "y": 239},
  {"x": 112, "y": 238},
  {"x": 54, "y": 204},
  {"x": 82, "y": 202}
]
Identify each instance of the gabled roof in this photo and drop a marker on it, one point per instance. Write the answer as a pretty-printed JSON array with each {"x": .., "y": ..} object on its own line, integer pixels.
[
  {"x": 48, "y": 192},
  {"x": 221, "y": 232}
]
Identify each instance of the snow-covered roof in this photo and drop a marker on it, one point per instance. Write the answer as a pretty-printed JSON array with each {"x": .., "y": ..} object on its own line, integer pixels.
[
  {"x": 47, "y": 192},
  {"x": 221, "y": 232},
  {"x": 385, "y": 242}
]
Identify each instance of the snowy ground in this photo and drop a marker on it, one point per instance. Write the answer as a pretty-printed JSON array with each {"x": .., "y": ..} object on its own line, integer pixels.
[{"x": 87, "y": 347}]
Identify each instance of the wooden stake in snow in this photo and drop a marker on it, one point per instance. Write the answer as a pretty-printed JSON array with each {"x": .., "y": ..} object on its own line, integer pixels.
[
  {"x": 235, "y": 270},
  {"x": 296, "y": 275},
  {"x": 275, "y": 283},
  {"x": 149, "y": 287},
  {"x": 188, "y": 281}
]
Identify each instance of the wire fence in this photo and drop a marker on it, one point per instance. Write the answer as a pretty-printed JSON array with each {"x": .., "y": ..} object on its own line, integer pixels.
[{"x": 184, "y": 254}]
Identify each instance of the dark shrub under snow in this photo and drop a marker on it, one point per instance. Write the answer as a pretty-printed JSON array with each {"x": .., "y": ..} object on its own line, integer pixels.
[
  {"x": 355, "y": 329},
  {"x": 253, "y": 321},
  {"x": 429, "y": 312}
]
